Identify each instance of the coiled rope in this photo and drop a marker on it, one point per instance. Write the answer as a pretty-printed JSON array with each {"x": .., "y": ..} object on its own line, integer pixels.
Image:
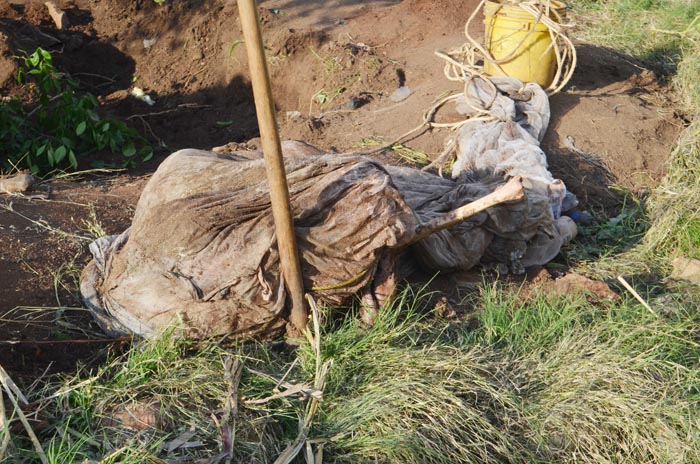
[
  {"x": 462, "y": 65},
  {"x": 462, "y": 62}
]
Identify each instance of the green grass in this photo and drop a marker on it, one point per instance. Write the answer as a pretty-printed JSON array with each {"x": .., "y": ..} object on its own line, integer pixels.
[
  {"x": 189, "y": 386},
  {"x": 545, "y": 380},
  {"x": 675, "y": 205},
  {"x": 664, "y": 33}
]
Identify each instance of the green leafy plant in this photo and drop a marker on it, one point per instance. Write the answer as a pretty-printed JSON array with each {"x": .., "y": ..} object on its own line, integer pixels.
[
  {"x": 63, "y": 127},
  {"x": 233, "y": 46}
]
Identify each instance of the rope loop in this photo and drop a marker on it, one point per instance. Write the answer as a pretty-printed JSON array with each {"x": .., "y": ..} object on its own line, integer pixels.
[{"x": 462, "y": 61}]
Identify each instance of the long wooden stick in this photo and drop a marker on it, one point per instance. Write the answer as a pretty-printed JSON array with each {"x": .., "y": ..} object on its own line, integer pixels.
[
  {"x": 274, "y": 164},
  {"x": 511, "y": 191},
  {"x": 635, "y": 294}
]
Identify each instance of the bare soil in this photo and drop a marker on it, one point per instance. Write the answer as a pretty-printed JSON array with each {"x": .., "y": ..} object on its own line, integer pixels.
[{"x": 334, "y": 64}]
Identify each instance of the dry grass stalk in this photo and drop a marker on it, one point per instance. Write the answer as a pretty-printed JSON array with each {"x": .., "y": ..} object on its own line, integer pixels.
[
  {"x": 14, "y": 394},
  {"x": 634, "y": 293},
  {"x": 4, "y": 429},
  {"x": 306, "y": 420},
  {"x": 233, "y": 370}
]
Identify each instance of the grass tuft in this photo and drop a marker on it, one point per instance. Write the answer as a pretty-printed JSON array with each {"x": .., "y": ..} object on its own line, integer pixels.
[
  {"x": 538, "y": 380},
  {"x": 675, "y": 205},
  {"x": 663, "y": 33},
  {"x": 173, "y": 388}
]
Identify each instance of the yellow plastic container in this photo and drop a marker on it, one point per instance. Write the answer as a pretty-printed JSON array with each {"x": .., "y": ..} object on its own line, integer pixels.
[{"x": 532, "y": 57}]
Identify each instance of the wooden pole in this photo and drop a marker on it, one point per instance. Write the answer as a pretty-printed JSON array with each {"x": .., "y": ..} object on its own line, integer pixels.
[{"x": 274, "y": 163}]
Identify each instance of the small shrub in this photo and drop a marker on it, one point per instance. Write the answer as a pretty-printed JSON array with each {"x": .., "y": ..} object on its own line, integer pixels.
[{"x": 64, "y": 126}]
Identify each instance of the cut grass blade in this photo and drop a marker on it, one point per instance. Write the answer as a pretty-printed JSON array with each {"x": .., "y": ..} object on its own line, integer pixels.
[{"x": 407, "y": 153}]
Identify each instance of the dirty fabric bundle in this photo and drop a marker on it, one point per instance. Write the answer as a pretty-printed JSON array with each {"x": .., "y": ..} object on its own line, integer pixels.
[
  {"x": 503, "y": 139},
  {"x": 477, "y": 240},
  {"x": 201, "y": 251}
]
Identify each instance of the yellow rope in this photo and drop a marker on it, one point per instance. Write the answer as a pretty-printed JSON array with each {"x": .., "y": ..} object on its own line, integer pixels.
[{"x": 340, "y": 285}]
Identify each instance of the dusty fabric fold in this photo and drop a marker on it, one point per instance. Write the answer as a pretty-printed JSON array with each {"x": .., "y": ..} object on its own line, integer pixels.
[{"x": 201, "y": 251}]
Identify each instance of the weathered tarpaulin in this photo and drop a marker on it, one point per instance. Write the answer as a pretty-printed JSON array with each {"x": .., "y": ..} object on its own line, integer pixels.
[
  {"x": 201, "y": 251},
  {"x": 202, "y": 248}
]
